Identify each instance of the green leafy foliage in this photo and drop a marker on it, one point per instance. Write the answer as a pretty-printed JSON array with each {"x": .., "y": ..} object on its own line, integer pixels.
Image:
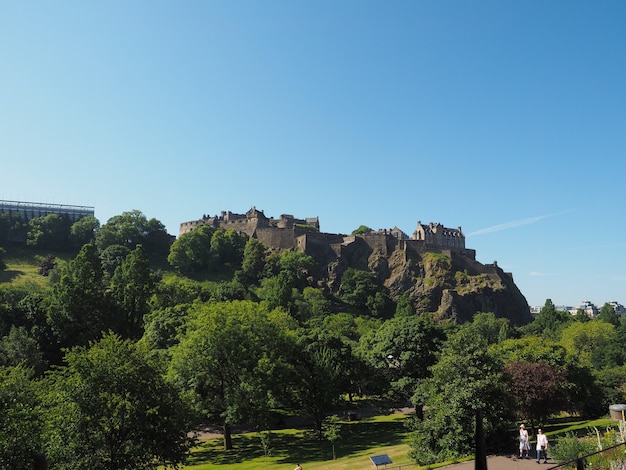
[
  {"x": 191, "y": 252},
  {"x": 50, "y": 232},
  {"x": 402, "y": 350},
  {"x": 131, "y": 229},
  {"x": 360, "y": 289},
  {"x": 270, "y": 339},
  {"x": 465, "y": 379},
  {"x": 362, "y": 229},
  {"x": 234, "y": 358},
  {"x": 331, "y": 429},
  {"x": 549, "y": 322},
  {"x": 20, "y": 419},
  {"x": 111, "y": 408},
  {"x": 84, "y": 231},
  {"x": 253, "y": 263},
  {"x": 79, "y": 309},
  {"x": 131, "y": 289}
]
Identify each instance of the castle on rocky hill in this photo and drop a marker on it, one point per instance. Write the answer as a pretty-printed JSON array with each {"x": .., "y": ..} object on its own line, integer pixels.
[{"x": 304, "y": 235}]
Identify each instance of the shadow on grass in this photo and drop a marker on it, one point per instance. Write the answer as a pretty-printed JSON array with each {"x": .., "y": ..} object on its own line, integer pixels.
[
  {"x": 10, "y": 275},
  {"x": 301, "y": 445}
]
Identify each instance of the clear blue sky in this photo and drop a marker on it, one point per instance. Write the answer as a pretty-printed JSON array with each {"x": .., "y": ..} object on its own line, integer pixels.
[{"x": 507, "y": 118}]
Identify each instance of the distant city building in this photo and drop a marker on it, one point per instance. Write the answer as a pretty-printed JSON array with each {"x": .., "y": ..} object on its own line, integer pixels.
[
  {"x": 586, "y": 306},
  {"x": 33, "y": 210},
  {"x": 537, "y": 309}
]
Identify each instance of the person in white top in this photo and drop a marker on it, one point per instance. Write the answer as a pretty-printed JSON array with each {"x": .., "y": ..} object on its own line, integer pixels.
[
  {"x": 524, "y": 444},
  {"x": 542, "y": 446}
]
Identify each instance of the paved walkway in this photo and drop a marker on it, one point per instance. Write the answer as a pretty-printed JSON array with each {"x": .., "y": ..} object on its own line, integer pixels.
[{"x": 504, "y": 463}]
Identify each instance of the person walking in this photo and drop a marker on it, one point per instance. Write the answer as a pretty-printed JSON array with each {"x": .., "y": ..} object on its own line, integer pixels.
[
  {"x": 542, "y": 446},
  {"x": 524, "y": 443}
]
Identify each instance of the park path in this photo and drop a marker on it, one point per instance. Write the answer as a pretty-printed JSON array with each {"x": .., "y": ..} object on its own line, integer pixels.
[{"x": 504, "y": 463}]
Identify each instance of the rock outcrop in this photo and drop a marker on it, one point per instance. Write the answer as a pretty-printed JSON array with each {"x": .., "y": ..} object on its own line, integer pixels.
[{"x": 452, "y": 286}]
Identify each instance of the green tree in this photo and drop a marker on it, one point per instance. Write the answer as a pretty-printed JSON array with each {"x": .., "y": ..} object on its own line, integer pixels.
[
  {"x": 549, "y": 322},
  {"x": 234, "y": 358},
  {"x": 331, "y": 428},
  {"x": 582, "y": 339},
  {"x": 131, "y": 288},
  {"x": 254, "y": 255},
  {"x": 156, "y": 239},
  {"x": 131, "y": 229},
  {"x": 402, "y": 350},
  {"x": 174, "y": 291},
  {"x": 530, "y": 349},
  {"x": 298, "y": 266},
  {"x": 112, "y": 257},
  {"x": 330, "y": 344},
  {"x": 50, "y": 232},
  {"x": 465, "y": 379},
  {"x": 191, "y": 252},
  {"x": 612, "y": 353},
  {"x": 277, "y": 291},
  {"x": 363, "y": 229},
  {"x": 79, "y": 310},
  {"x": 84, "y": 231},
  {"x": 229, "y": 290},
  {"x": 404, "y": 307},
  {"x": 18, "y": 347},
  {"x": 20, "y": 418},
  {"x": 112, "y": 409},
  {"x": 608, "y": 314},
  {"x": 227, "y": 246},
  {"x": 12, "y": 227},
  {"x": 317, "y": 386},
  {"x": 312, "y": 304},
  {"x": 491, "y": 328},
  {"x": 163, "y": 326},
  {"x": 359, "y": 289}
]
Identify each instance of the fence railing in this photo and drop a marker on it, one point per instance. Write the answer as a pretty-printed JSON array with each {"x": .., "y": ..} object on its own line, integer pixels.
[{"x": 614, "y": 457}]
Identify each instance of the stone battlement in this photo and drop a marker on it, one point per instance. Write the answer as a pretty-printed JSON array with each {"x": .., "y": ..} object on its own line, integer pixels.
[{"x": 289, "y": 233}]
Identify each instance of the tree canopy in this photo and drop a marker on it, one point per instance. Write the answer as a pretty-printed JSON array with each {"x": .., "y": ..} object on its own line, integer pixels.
[
  {"x": 112, "y": 409},
  {"x": 234, "y": 357}
]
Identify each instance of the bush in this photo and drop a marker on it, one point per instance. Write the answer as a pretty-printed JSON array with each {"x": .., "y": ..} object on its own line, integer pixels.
[{"x": 570, "y": 447}]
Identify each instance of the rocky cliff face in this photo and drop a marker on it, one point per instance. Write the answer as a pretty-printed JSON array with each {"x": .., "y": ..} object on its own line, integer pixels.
[{"x": 449, "y": 284}]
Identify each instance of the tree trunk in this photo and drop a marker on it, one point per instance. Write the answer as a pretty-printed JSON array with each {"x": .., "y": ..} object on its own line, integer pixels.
[{"x": 228, "y": 438}]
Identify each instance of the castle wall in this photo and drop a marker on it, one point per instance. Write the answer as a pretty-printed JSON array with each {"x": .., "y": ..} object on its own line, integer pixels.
[
  {"x": 276, "y": 238},
  {"x": 287, "y": 232},
  {"x": 377, "y": 242},
  {"x": 421, "y": 246},
  {"x": 323, "y": 247}
]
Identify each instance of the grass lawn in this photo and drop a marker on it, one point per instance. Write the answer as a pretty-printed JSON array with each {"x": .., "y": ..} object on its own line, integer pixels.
[
  {"x": 580, "y": 427},
  {"x": 23, "y": 265},
  {"x": 359, "y": 441}
]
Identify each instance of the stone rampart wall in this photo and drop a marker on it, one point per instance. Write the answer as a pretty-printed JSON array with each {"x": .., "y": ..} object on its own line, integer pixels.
[{"x": 276, "y": 238}]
